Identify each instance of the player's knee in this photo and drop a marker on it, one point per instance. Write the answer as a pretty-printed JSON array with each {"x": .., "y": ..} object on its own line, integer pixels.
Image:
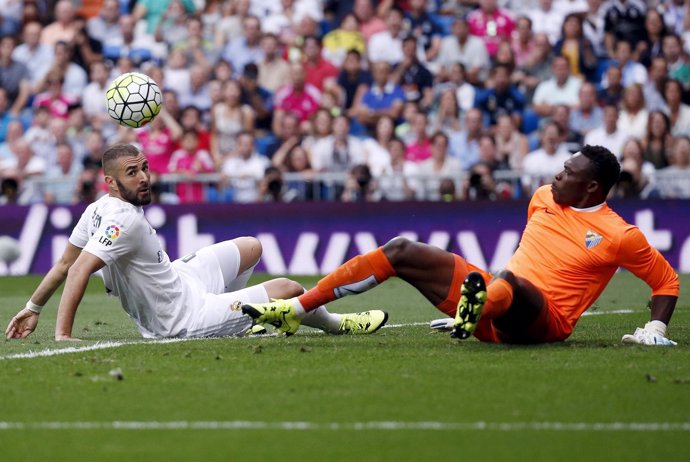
[
  {"x": 397, "y": 249},
  {"x": 250, "y": 249},
  {"x": 508, "y": 276},
  {"x": 288, "y": 288}
]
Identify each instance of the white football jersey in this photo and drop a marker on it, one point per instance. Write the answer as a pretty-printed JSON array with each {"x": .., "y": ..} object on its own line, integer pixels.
[{"x": 154, "y": 294}]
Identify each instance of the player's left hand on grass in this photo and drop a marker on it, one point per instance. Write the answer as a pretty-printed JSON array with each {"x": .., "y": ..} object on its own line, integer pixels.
[
  {"x": 23, "y": 324},
  {"x": 653, "y": 333}
]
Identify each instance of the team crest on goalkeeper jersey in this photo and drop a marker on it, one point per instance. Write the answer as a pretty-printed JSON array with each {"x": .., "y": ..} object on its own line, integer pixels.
[{"x": 592, "y": 239}]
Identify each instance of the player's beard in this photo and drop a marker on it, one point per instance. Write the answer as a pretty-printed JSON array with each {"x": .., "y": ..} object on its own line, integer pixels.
[{"x": 135, "y": 196}]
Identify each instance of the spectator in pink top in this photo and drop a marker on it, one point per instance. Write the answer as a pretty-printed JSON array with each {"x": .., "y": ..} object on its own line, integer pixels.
[
  {"x": 188, "y": 161},
  {"x": 158, "y": 139},
  {"x": 492, "y": 24},
  {"x": 319, "y": 72},
  {"x": 53, "y": 98},
  {"x": 419, "y": 149},
  {"x": 298, "y": 97},
  {"x": 369, "y": 22}
]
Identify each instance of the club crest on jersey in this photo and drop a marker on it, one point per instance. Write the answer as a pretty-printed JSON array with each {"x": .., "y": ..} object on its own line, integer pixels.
[
  {"x": 592, "y": 239},
  {"x": 112, "y": 232}
]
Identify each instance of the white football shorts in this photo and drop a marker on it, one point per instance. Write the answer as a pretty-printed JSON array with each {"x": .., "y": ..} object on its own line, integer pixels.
[{"x": 212, "y": 269}]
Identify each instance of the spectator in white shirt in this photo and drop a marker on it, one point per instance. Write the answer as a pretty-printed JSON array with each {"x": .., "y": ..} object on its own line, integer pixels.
[
  {"x": 462, "y": 47},
  {"x": 570, "y": 6},
  {"x": 608, "y": 136},
  {"x": 562, "y": 88},
  {"x": 197, "y": 93},
  {"x": 541, "y": 165},
  {"x": 62, "y": 185},
  {"x": 439, "y": 166},
  {"x": 106, "y": 23},
  {"x": 676, "y": 184},
  {"x": 75, "y": 78},
  {"x": 634, "y": 116},
  {"x": 340, "y": 151},
  {"x": 400, "y": 180},
  {"x": 387, "y": 45},
  {"x": 244, "y": 168},
  {"x": 92, "y": 99},
  {"x": 36, "y": 56},
  {"x": 546, "y": 19},
  {"x": 678, "y": 112}
]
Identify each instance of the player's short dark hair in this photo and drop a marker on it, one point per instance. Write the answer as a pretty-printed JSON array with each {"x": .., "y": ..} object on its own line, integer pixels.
[
  {"x": 605, "y": 166},
  {"x": 115, "y": 152}
]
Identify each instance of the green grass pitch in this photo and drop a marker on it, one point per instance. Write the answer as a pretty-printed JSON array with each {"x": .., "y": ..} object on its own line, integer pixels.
[{"x": 404, "y": 394}]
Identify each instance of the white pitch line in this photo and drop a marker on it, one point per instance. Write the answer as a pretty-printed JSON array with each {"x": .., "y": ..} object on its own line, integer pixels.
[
  {"x": 599, "y": 313},
  {"x": 96, "y": 346},
  {"x": 409, "y": 324},
  {"x": 354, "y": 426},
  {"x": 109, "y": 345}
]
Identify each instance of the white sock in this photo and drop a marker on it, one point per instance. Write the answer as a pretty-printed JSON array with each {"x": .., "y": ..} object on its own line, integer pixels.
[
  {"x": 299, "y": 309},
  {"x": 320, "y": 318}
]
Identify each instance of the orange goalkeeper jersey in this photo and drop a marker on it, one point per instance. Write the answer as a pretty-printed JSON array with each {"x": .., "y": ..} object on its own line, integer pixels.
[{"x": 572, "y": 254}]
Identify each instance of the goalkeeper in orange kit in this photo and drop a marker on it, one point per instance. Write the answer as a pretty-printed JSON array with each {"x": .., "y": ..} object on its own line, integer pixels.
[{"x": 571, "y": 247}]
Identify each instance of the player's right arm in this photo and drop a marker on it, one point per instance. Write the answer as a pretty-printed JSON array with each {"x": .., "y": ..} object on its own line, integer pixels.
[
  {"x": 647, "y": 263},
  {"x": 77, "y": 280},
  {"x": 24, "y": 322}
]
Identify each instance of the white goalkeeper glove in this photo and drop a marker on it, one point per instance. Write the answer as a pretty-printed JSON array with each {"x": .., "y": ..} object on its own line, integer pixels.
[
  {"x": 653, "y": 333},
  {"x": 443, "y": 324}
]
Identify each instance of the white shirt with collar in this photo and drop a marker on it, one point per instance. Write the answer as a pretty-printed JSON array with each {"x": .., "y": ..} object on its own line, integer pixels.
[
  {"x": 37, "y": 60},
  {"x": 539, "y": 167},
  {"x": 384, "y": 47},
  {"x": 550, "y": 93}
]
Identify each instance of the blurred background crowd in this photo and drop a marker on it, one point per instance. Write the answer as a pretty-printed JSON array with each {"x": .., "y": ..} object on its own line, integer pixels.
[{"x": 348, "y": 100}]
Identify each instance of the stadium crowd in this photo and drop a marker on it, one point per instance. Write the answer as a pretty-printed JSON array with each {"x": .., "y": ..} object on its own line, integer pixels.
[{"x": 267, "y": 100}]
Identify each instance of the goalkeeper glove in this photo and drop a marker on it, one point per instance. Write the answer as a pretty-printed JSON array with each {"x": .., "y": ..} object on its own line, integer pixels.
[{"x": 653, "y": 333}]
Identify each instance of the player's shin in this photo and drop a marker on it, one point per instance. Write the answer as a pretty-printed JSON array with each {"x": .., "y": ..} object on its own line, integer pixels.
[
  {"x": 355, "y": 276},
  {"x": 499, "y": 297}
]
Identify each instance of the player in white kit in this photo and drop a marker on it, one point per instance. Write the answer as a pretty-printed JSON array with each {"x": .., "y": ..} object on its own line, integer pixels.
[{"x": 189, "y": 297}]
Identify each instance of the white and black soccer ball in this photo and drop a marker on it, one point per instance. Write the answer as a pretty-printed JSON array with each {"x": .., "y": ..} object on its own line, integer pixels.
[
  {"x": 10, "y": 249},
  {"x": 133, "y": 99}
]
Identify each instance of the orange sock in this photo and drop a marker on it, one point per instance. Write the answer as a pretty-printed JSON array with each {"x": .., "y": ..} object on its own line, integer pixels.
[
  {"x": 352, "y": 277},
  {"x": 499, "y": 297}
]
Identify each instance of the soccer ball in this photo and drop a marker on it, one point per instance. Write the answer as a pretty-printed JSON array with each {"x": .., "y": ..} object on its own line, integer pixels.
[
  {"x": 133, "y": 99},
  {"x": 9, "y": 249}
]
